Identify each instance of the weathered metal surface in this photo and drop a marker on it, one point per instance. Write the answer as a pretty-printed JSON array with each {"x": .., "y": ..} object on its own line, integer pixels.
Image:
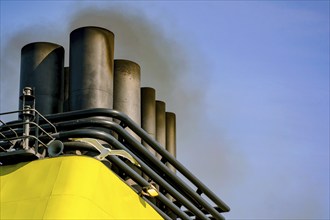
[
  {"x": 161, "y": 123},
  {"x": 42, "y": 66},
  {"x": 91, "y": 68},
  {"x": 66, "y": 89},
  {"x": 148, "y": 113},
  {"x": 126, "y": 94},
  {"x": 171, "y": 134}
]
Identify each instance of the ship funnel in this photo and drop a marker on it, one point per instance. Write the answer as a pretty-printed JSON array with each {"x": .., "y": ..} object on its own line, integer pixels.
[
  {"x": 161, "y": 124},
  {"x": 126, "y": 94},
  {"x": 55, "y": 148},
  {"x": 42, "y": 65},
  {"x": 171, "y": 135},
  {"x": 148, "y": 114},
  {"x": 66, "y": 76},
  {"x": 91, "y": 68}
]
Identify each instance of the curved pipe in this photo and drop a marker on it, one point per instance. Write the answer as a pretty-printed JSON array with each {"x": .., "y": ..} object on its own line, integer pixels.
[
  {"x": 146, "y": 156},
  {"x": 126, "y": 121},
  {"x": 144, "y": 135},
  {"x": 115, "y": 143},
  {"x": 132, "y": 174}
]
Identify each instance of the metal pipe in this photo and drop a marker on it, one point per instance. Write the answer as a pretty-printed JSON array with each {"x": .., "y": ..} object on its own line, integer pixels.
[
  {"x": 148, "y": 114},
  {"x": 66, "y": 83},
  {"x": 137, "y": 178},
  {"x": 126, "y": 94},
  {"x": 91, "y": 68},
  {"x": 145, "y": 156},
  {"x": 160, "y": 124},
  {"x": 115, "y": 143},
  {"x": 145, "y": 136},
  {"x": 142, "y": 182},
  {"x": 171, "y": 135},
  {"x": 128, "y": 170},
  {"x": 161, "y": 132},
  {"x": 42, "y": 66}
]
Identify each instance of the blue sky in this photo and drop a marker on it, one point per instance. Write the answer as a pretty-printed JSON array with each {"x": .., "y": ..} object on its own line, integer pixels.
[{"x": 248, "y": 80}]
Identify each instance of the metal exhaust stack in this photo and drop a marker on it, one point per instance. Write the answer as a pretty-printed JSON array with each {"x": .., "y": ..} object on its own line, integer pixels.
[
  {"x": 42, "y": 66},
  {"x": 91, "y": 68},
  {"x": 94, "y": 85},
  {"x": 126, "y": 94},
  {"x": 148, "y": 113},
  {"x": 171, "y": 135},
  {"x": 161, "y": 123},
  {"x": 66, "y": 89}
]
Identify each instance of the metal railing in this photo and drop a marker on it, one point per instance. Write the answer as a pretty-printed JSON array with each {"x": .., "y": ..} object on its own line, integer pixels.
[{"x": 98, "y": 124}]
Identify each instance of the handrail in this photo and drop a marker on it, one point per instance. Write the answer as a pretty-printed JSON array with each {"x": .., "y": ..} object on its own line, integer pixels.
[
  {"x": 144, "y": 167},
  {"x": 157, "y": 165},
  {"x": 127, "y": 169},
  {"x": 146, "y": 137},
  {"x": 16, "y": 124},
  {"x": 153, "y": 167}
]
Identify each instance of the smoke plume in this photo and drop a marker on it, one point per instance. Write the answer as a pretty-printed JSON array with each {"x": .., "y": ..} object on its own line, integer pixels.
[{"x": 167, "y": 65}]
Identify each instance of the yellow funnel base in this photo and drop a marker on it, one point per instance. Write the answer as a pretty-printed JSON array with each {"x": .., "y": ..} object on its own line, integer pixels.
[{"x": 68, "y": 187}]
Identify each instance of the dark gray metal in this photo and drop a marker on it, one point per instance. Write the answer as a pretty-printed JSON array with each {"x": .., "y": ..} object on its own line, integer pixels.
[
  {"x": 66, "y": 89},
  {"x": 42, "y": 66},
  {"x": 161, "y": 131},
  {"x": 126, "y": 94},
  {"x": 161, "y": 124},
  {"x": 91, "y": 68},
  {"x": 171, "y": 135},
  {"x": 148, "y": 114}
]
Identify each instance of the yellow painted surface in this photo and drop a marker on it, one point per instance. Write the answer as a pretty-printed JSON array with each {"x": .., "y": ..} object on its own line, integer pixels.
[{"x": 68, "y": 187}]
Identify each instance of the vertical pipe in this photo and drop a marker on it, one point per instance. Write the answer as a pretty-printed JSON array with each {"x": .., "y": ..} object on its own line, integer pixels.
[
  {"x": 148, "y": 113},
  {"x": 126, "y": 93},
  {"x": 91, "y": 68},
  {"x": 161, "y": 124},
  {"x": 66, "y": 89},
  {"x": 161, "y": 132},
  {"x": 171, "y": 135},
  {"x": 42, "y": 66}
]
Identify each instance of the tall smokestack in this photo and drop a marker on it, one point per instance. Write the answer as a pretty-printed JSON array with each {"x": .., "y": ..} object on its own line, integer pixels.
[
  {"x": 66, "y": 89},
  {"x": 126, "y": 94},
  {"x": 91, "y": 68},
  {"x": 42, "y": 66},
  {"x": 171, "y": 134},
  {"x": 161, "y": 123},
  {"x": 148, "y": 113}
]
